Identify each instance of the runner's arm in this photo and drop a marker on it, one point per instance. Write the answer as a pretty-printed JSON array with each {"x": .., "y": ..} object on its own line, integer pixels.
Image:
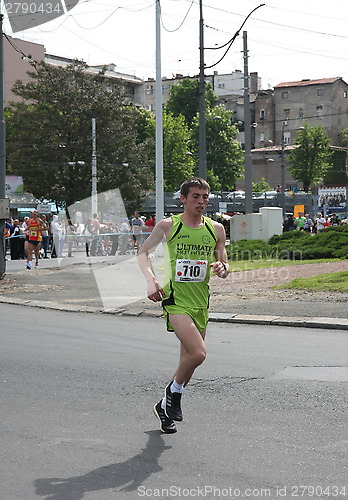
[{"x": 154, "y": 290}]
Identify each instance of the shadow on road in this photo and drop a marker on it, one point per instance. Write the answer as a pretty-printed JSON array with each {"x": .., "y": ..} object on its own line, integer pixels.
[{"x": 127, "y": 476}]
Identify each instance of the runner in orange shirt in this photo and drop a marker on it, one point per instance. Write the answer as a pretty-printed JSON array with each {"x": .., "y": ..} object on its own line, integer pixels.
[{"x": 35, "y": 226}]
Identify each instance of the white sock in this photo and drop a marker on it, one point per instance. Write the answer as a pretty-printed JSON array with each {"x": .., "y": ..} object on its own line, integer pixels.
[
  {"x": 163, "y": 404},
  {"x": 175, "y": 387}
]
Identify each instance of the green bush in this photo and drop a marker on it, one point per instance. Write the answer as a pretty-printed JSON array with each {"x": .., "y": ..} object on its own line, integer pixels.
[{"x": 294, "y": 245}]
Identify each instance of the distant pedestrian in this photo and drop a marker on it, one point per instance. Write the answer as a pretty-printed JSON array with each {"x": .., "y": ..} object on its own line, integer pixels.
[
  {"x": 308, "y": 224},
  {"x": 45, "y": 237},
  {"x": 320, "y": 221},
  {"x": 124, "y": 237},
  {"x": 150, "y": 224},
  {"x": 137, "y": 230},
  {"x": 95, "y": 229},
  {"x": 300, "y": 221},
  {"x": 55, "y": 230},
  {"x": 15, "y": 240}
]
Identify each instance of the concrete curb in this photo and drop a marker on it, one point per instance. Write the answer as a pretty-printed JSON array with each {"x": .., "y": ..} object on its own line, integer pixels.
[{"x": 216, "y": 317}]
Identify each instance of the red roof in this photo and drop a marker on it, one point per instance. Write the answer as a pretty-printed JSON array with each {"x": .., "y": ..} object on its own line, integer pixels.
[{"x": 304, "y": 82}]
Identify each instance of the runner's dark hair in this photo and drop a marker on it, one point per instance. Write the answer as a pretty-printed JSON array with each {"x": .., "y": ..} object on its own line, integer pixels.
[{"x": 193, "y": 182}]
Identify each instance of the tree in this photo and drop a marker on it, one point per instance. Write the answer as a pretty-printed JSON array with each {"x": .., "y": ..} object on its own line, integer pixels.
[
  {"x": 225, "y": 158},
  {"x": 183, "y": 99},
  {"x": 178, "y": 165},
  {"x": 49, "y": 136},
  {"x": 261, "y": 186},
  {"x": 312, "y": 158}
]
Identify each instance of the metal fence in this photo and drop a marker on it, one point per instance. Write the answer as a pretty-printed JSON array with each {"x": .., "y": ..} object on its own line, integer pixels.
[{"x": 230, "y": 203}]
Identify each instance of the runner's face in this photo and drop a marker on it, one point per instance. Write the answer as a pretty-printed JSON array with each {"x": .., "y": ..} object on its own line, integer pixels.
[{"x": 196, "y": 201}]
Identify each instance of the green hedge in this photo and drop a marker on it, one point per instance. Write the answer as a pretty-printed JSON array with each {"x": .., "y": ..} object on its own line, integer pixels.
[{"x": 294, "y": 245}]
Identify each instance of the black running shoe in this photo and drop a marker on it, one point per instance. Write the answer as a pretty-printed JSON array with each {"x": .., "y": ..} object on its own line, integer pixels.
[
  {"x": 166, "y": 424},
  {"x": 173, "y": 408}
]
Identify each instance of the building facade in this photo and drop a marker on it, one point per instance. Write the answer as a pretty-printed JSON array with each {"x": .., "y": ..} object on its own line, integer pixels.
[
  {"x": 282, "y": 111},
  {"x": 18, "y": 57}
]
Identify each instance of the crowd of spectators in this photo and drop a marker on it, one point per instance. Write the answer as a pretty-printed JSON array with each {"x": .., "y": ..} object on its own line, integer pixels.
[
  {"x": 313, "y": 225},
  {"x": 58, "y": 237}
]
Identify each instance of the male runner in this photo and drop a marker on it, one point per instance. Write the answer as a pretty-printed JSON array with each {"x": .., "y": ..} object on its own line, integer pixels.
[
  {"x": 194, "y": 244},
  {"x": 35, "y": 226}
]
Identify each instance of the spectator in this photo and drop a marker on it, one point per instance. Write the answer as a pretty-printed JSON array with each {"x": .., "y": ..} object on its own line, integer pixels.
[
  {"x": 55, "y": 230},
  {"x": 308, "y": 225},
  {"x": 327, "y": 222},
  {"x": 114, "y": 238},
  {"x": 87, "y": 232},
  {"x": 45, "y": 237},
  {"x": 70, "y": 234},
  {"x": 300, "y": 221},
  {"x": 150, "y": 224},
  {"x": 61, "y": 239},
  {"x": 289, "y": 223},
  {"x": 137, "y": 229},
  {"x": 15, "y": 240},
  {"x": 335, "y": 221},
  {"x": 124, "y": 237},
  {"x": 320, "y": 222},
  {"x": 95, "y": 229}
]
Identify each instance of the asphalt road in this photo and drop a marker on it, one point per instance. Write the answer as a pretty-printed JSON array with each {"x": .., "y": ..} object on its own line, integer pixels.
[{"x": 264, "y": 417}]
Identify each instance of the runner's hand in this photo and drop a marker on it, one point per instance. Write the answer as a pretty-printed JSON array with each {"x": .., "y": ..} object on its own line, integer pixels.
[
  {"x": 155, "y": 291},
  {"x": 220, "y": 269}
]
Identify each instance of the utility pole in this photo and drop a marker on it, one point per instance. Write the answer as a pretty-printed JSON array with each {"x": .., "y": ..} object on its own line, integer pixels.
[
  {"x": 202, "y": 149},
  {"x": 247, "y": 133},
  {"x": 159, "y": 120},
  {"x": 4, "y": 203},
  {"x": 94, "y": 168}
]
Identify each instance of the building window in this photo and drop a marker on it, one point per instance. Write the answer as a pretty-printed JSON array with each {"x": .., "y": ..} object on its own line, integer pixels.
[
  {"x": 345, "y": 93},
  {"x": 149, "y": 107},
  {"x": 262, "y": 114},
  {"x": 262, "y": 137},
  {"x": 319, "y": 111},
  {"x": 221, "y": 86},
  {"x": 320, "y": 92},
  {"x": 149, "y": 89},
  {"x": 300, "y": 114},
  {"x": 286, "y": 117},
  {"x": 285, "y": 95},
  {"x": 287, "y": 138}
]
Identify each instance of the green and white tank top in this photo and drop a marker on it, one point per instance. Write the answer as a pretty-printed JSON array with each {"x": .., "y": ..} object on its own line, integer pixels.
[{"x": 188, "y": 255}]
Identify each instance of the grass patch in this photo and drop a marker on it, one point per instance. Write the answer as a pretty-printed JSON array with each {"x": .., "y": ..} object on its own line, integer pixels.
[
  {"x": 245, "y": 265},
  {"x": 330, "y": 282}
]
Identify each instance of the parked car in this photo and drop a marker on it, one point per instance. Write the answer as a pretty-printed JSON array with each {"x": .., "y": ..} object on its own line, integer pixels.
[
  {"x": 176, "y": 195},
  {"x": 236, "y": 195},
  {"x": 268, "y": 195}
]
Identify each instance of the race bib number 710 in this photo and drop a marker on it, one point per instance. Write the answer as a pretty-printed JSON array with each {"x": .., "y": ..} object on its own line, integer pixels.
[{"x": 190, "y": 270}]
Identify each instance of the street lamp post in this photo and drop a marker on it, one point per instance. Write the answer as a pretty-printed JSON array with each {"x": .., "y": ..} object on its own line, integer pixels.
[
  {"x": 247, "y": 133},
  {"x": 2, "y": 158},
  {"x": 202, "y": 146},
  {"x": 282, "y": 173}
]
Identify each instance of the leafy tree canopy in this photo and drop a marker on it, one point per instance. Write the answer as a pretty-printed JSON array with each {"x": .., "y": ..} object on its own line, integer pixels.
[
  {"x": 184, "y": 99},
  {"x": 225, "y": 159},
  {"x": 312, "y": 158},
  {"x": 49, "y": 136},
  {"x": 178, "y": 165},
  {"x": 261, "y": 186}
]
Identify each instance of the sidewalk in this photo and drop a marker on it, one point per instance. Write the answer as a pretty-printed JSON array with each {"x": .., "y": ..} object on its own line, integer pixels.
[{"x": 114, "y": 285}]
